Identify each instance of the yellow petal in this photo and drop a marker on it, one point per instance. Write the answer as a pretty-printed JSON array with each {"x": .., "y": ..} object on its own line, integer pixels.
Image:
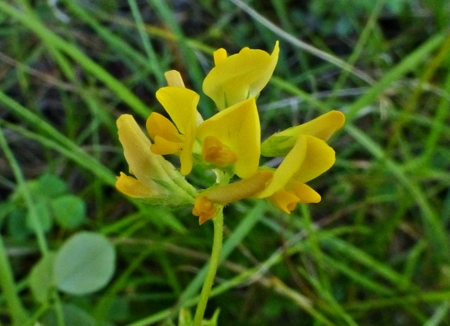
[
  {"x": 204, "y": 209},
  {"x": 220, "y": 55},
  {"x": 163, "y": 147},
  {"x": 245, "y": 188},
  {"x": 319, "y": 157},
  {"x": 238, "y": 128},
  {"x": 215, "y": 152},
  {"x": 284, "y": 200},
  {"x": 173, "y": 78},
  {"x": 287, "y": 169},
  {"x": 239, "y": 76},
  {"x": 146, "y": 166},
  {"x": 132, "y": 187},
  {"x": 304, "y": 193},
  {"x": 181, "y": 105},
  {"x": 323, "y": 127},
  {"x": 287, "y": 200},
  {"x": 159, "y": 125}
]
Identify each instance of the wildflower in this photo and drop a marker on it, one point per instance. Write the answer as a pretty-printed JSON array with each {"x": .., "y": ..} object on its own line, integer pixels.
[
  {"x": 232, "y": 137},
  {"x": 178, "y": 137},
  {"x": 308, "y": 157},
  {"x": 156, "y": 180},
  {"x": 322, "y": 127},
  {"x": 239, "y": 76}
]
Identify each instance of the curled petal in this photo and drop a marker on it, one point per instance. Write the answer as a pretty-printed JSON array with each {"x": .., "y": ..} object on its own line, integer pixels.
[
  {"x": 181, "y": 104},
  {"x": 239, "y": 76},
  {"x": 309, "y": 158},
  {"x": 132, "y": 187},
  {"x": 287, "y": 200},
  {"x": 287, "y": 169},
  {"x": 163, "y": 147},
  {"x": 284, "y": 200},
  {"x": 144, "y": 164},
  {"x": 237, "y": 128},
  {"x": 319, "y": 157},
  {"x": 215, "y": 152},
  {"x": 305, "y": 193},
  {"x": 205, "y": 209},
  {"x": 159, "y": 125},
  {"x": 166, "y": 138},
  {"x": 323, "y": 127}
]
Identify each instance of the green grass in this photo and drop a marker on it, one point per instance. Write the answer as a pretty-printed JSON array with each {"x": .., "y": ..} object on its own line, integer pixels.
[{"x": 375, "y": 251}]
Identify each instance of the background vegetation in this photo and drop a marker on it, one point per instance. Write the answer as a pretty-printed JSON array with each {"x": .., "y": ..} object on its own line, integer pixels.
[{"x": 375, "y": 251}]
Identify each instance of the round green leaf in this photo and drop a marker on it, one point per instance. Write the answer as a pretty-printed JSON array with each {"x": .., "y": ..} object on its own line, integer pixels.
[
  {"x": 69, "y": 211},
  {"x": 84, "y": 264},
  {"x": 43, "y": 215},
  {"x": 51, "y": 185},
  {"x": 41, "y": 278}
]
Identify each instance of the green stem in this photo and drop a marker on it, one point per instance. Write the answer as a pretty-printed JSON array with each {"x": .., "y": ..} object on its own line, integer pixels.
[
  {"x": 213, "y": 264},
  {"x": 18, "y": 313}
]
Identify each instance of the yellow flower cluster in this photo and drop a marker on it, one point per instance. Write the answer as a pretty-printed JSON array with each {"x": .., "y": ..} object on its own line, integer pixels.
[{"x": 228, "y": 142}]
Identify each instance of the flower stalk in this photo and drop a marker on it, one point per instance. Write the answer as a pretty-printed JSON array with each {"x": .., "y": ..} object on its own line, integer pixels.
[{"x": 212, "y": 268}]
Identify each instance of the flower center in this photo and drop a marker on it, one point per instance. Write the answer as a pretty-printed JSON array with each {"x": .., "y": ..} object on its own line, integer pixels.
[{"x": 217, "y": 153}]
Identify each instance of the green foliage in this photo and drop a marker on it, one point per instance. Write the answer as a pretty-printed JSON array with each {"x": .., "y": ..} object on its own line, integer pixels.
[
  {"x": 52, "y": 203},
  {"x": 375, "y": 251},
  {"x": 42, "y": 278},
  {"x": 84, "y": 264}
]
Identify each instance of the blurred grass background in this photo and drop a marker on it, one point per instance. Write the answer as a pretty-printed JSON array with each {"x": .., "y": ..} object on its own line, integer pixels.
[{"x": 375, "y": 251}]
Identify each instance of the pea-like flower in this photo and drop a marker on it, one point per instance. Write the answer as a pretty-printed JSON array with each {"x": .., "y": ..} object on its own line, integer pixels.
[
  {"x": 232, "y": 137},
  {"x": 228, "y": 142},
  {"x": 308, "y": 156},
  {"x": 156, "y": 179},
  {"x": 240, "y": 76}
]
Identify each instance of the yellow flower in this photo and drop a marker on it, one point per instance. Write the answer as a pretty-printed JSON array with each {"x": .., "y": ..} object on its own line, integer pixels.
[
  {"x": 228, "y": 140},
  {"x": 156, "y": 180},
  {"x": 239, "y": 76},
  {"x": 322, "y": 127},
  {"x": 232, "y": 137},
  {"x": 308, "y": 156},
  {"x": 181, "y": 105}
]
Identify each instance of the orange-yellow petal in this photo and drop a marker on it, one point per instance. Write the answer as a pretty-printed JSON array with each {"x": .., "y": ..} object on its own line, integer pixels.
[
  {"x": 237, "y": 128},
  {"x": 205, "y": 209},
  {"x": 245, "y": 188},
  {"x": 284, "y": 200},
  {"x": 240, "y": 76},
  {"x": 322, "y": 127},
  {"x": 159, "y": 125},
  {"x": 132, "y": 187},
  {"x": 215, "y": 152},
  {"x": 295, "y": 193},
  {"x": 162, "y": 146}
]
